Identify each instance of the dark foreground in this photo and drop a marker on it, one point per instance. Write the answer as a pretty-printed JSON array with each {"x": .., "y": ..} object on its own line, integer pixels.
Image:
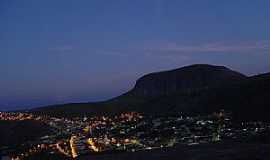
[{"x": 222, "y": 151}]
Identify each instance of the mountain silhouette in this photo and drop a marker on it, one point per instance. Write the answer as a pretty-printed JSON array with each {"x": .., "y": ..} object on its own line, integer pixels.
[{"x": 191, "y": 90}]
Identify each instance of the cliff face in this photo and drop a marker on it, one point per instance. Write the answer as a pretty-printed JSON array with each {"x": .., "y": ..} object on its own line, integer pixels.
[{"x": 186, "y": 79}]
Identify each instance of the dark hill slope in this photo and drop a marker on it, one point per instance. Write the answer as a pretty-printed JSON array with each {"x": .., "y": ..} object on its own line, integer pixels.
[
  {"x": 196, "y": 89},
  {"x": 248, "y": 99},
  {"x": 186, "y": 80},
  {"x": 18, "y": 132}
]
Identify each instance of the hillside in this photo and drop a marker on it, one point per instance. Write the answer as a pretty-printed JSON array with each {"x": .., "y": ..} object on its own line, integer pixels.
[
  {"x": 186, "y": 79},
  {"x": 196, "y": 89},
  {"x": 18, "y": 132}
]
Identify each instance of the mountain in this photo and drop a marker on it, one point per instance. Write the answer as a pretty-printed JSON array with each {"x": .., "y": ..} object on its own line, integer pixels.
[
  {"x": 247, "y": 99},
  {"x": 195, "y": 89},
  {"x": 186, "y": 79}
]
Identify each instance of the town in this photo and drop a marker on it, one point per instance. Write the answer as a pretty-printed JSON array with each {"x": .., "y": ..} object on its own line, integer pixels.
[{"x": 127, "y": 132}]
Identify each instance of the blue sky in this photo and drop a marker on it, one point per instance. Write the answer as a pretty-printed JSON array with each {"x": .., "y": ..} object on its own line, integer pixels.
[{"x": 78, "y": 51}]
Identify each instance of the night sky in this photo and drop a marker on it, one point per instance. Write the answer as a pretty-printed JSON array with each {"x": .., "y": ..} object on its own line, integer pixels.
[{"x": 60, "y": 51}]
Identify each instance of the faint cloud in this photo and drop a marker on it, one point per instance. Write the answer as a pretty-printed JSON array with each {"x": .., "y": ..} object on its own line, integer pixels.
[
  {"x": 169, "y": 57},
  {"x": 113, "y": 52},
  {"x": 216, "y": 47},
  {"x": 60, "y": 48},
  {"x": 174, "y": 52},
  {"x": 122, "y": 52}
]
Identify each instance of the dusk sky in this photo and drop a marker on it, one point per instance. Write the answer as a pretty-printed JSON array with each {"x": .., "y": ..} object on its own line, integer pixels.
[{"x": 62, "y": 51}]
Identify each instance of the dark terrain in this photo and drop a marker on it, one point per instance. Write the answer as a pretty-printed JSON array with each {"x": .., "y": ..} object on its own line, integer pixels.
[
  {"x": 255, "y": 148},
  {"x": 252, "y": 148},
  {"x": 224, "y": 151},
  {"x": 191, "y": 90},
  {"x": 17, "y": 132}
]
